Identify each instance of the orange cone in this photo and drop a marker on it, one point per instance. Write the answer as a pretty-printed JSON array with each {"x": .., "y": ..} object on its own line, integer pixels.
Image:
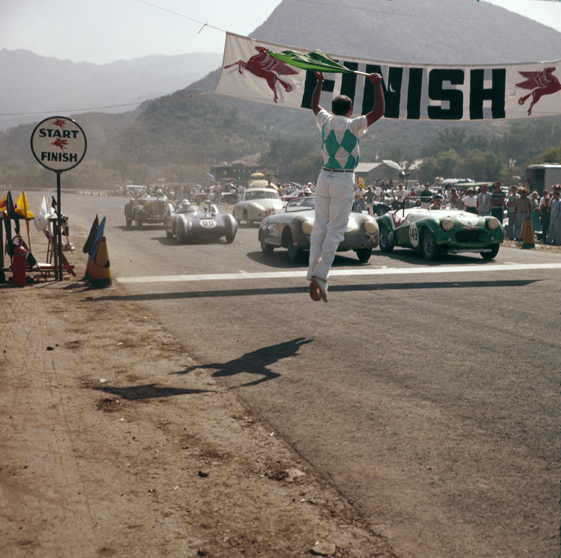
[
  {"x": 527, "y": 235},
  {"x": 101, "y": 272}
]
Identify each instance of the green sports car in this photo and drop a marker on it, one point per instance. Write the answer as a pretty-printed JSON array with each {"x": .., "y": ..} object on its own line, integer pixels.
[{"x": 437, "y": 232}]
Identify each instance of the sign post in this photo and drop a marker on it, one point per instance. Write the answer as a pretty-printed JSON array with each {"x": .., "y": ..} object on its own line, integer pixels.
[{"x": 59, "y": 144}]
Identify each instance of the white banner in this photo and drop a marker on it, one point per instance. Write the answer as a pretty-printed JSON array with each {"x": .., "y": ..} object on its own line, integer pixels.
[{"x": 412, "y": 92}]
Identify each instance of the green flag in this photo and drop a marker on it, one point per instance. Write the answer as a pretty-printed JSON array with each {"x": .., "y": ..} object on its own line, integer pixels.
[{"x": 316, "y": 61}]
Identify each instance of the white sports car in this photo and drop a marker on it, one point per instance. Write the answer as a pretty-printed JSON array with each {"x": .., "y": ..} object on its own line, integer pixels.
[{"x": 256, "y": 203}]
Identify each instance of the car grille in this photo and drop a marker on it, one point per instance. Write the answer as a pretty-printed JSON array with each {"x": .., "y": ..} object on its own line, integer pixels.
[
  {"x": 158, "y": 207},
  {"x": 465, "y": 237}
]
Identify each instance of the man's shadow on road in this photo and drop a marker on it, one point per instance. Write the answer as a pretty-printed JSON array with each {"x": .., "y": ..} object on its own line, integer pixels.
[{"x": 256, "y": 362}]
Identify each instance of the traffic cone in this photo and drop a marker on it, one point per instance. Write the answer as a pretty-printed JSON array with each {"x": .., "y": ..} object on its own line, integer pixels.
[
  {"x": 101, "y": 272},
  {"x": 527, "y": 235}
]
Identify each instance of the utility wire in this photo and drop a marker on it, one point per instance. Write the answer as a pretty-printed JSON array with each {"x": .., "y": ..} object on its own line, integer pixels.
[
  {"x": 172, "y": 98},
  {"x": 319, "y": 2}
]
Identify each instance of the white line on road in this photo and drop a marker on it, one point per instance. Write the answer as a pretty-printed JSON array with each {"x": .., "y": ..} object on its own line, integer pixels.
[{"x": 341, "y": 272}]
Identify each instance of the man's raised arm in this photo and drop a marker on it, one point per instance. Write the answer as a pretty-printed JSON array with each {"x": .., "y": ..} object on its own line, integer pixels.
[
  {"x": 317, "y": 93},
  {"x": 379, "y": 102}
]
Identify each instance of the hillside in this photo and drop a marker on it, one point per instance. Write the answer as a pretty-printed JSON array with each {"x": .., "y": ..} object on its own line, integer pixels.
[
  {"x": 211, "y": 129},
  {"x": 33, "y": 83}
]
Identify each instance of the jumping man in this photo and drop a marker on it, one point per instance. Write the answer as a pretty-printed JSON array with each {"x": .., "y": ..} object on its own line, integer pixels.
[{"x": 335, "y": 185}]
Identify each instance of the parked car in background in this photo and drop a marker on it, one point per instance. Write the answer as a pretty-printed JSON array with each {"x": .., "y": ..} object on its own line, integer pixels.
[
  {"x": 291, "y": 229},
  {"x": 256, "y": 203},
  {"x": 146, "y": 209},
  {"x": 230, "y": 194}
]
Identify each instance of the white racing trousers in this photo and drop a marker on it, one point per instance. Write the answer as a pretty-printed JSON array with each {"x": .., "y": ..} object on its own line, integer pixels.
[{"x": 334, "y": 200}]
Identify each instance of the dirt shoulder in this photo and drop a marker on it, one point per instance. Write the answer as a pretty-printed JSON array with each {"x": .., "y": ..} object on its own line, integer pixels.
[{"x": 109, "y": 448}]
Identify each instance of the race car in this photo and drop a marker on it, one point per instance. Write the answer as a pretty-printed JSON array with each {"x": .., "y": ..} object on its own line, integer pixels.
[
  {"x": 292, "y": 228},
  {"x": 436, "y": 232},
  {"x": 189, "y": 223},
  {"x": 146, "y": 209},
  {"x": 256, "y": 203}
]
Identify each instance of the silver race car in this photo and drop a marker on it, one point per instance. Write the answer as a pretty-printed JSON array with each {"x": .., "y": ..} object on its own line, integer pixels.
[
  {"x": 291, "y": 229},
  {"x": 189, "y": 223}
]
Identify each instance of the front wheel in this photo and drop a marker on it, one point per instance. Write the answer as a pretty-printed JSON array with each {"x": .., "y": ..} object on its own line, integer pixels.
[
  {"x": 429, "y": 246},
  {"x": 492, "y": 254},
  {"x": 384, "y": 242},
  {"x": 363, "y": 254},
  {"x": 294, "y": 254},
  {"x": 265, "y": 248},
  {"x": 181, "y": 234}
]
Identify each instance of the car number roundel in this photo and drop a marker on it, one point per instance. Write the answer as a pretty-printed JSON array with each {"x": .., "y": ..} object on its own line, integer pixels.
[
  {"x": 414, "y": 235},
  {"x": 208, "y": 223}
]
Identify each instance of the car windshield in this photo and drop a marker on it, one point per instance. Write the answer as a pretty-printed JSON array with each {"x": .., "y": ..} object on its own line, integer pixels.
[
  {"x": 261, "y": 196},
  {"x": 301, "y": 204},
  {"x": 188, "y": 209}
]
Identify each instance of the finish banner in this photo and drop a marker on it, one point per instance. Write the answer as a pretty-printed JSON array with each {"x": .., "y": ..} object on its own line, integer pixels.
[{"x": 412, "y": 92}]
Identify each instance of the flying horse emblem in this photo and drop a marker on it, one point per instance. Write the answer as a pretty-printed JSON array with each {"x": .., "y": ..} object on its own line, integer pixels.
[
  {"x": 268, "y": 67},
  {"x": 543, "y": 83}
]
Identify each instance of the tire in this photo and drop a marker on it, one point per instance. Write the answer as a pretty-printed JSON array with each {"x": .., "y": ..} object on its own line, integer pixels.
[
  {"x": 363, "y": 254},
  {"x": 230, "y": 238},
  {"x": 265, "y": 248},
  {"x": 429, "y": 247},
  {"x": 384, "y": 240},
  {"x": 491, "y": 255},
  {"x": 294, "y": 254},
  {"x": 182, "y": 236}
]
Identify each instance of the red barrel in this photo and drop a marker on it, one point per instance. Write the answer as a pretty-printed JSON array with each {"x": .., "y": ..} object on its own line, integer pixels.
[{"x": 19, "y": 260}]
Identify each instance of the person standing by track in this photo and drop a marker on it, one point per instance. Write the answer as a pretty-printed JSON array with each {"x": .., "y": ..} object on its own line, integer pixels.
[{"x": 335, "y": 185}]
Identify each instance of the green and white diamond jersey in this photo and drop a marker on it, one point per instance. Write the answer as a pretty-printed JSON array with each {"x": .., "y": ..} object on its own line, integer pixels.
[{"x": 339, "y": 139}]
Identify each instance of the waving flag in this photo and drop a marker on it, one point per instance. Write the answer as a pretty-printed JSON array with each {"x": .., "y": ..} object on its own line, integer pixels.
[{"x": 316, "y": 61}]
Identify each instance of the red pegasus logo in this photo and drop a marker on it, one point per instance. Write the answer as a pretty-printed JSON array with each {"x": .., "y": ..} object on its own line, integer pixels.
[
  {"x": 60, "y": 123},
  {"x": 544, "y": 83},
  {"x": 268, "y": 67},
  {"x": 62, "y": 143}
]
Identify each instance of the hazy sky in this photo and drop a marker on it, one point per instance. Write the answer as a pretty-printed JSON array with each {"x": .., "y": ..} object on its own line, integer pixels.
[{"x": 102, "y": 31}]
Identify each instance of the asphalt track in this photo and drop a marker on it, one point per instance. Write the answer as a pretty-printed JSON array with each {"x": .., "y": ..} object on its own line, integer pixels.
[{"x": 429, "y": 394}]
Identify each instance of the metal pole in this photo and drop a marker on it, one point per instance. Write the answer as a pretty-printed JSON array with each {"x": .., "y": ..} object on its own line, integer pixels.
[
  {"x": 2, "y": 275},
  {"x": 59, "y": 229}
]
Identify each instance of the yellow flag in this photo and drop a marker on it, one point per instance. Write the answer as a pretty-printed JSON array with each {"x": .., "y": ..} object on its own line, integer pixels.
[
  {"x": 22, "y": 207},
  {"x": 361, "y": 184}
]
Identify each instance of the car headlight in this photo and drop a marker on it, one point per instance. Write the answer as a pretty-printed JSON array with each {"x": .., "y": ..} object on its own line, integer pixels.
[
  {"x": 493, "y": 223},
  {"x": 370, "y": 227},
  {"x": 447, "y": 224},
  {"x": 307, "y": 227}
]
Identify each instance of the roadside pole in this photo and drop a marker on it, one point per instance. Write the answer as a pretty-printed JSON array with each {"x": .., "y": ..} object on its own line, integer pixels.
[{"x": 59, "y": 144}]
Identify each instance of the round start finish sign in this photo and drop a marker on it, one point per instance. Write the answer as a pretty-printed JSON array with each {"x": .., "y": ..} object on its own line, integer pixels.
[{"x": 58, "y": 143}]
